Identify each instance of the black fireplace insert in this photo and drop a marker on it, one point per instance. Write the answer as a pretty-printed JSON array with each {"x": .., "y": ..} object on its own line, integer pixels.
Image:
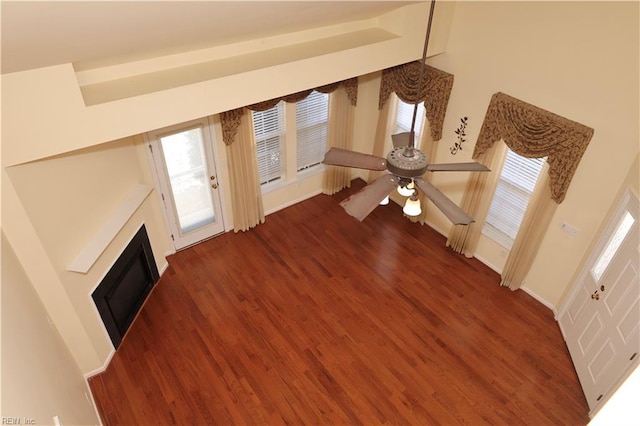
[{"x": 122, "y": 292}]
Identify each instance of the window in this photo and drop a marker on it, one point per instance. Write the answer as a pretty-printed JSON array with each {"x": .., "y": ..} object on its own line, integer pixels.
[
  {"x": 311, "y": 129},
  {"x": 513, "y": 191},
  {"x": 291, "y": 138},
  {"x": 268, "y": 127},
  {"x": 405, "y": 116},
  {"x": 610, "y": 250}
]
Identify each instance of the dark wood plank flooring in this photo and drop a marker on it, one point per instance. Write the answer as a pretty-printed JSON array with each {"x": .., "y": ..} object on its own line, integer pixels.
[{"x": 315, "y": 318}]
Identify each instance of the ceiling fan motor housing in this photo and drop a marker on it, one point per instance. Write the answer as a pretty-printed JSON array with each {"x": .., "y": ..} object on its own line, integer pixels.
[{"x": 407, "y": 162}]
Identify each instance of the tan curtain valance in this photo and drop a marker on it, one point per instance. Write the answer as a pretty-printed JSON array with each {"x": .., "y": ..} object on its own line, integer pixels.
[
  {"x": 535, "y": 133},
  {"x": 231, "y": 119},
  {"x": 436, "y": 88}
]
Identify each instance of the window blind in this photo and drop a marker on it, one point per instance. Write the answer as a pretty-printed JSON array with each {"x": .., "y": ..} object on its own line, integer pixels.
[
  {"x": 405, "y": 116},
  {"x": 268, "y": 128},
  {"x": 513, "y": 191},
  {"x": 311, "y": 129}
]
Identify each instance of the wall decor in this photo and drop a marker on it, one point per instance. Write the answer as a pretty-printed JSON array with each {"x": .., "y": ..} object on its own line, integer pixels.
[{"x": 460, "y": 131}]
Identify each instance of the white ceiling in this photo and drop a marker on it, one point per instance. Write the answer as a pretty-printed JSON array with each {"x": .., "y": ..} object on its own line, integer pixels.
[{"x": 96, "y": 33}]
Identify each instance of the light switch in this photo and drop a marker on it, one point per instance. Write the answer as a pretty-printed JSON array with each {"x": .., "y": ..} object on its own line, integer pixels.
[{"x": 569, "y": 229}]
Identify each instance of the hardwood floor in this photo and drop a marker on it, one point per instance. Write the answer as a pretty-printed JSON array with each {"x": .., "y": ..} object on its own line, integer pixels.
[{"x": 315, "y": 318}]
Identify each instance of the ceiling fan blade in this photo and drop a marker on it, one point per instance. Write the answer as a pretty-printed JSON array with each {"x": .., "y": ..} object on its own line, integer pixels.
[
  {"x": 347, "y": 158},
  {"x": 360, "y": 204},
  {"x": 448, "y": 207},
  {"x": 401, "y": 140},
  {"x": 458, "y": 167}
]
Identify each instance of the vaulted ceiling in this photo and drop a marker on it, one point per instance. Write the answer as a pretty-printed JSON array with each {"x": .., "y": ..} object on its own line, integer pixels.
[{"x": 100, "y": 33}]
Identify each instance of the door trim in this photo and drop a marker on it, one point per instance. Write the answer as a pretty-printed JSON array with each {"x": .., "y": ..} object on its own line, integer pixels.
[{"x": 207, "y": 127}]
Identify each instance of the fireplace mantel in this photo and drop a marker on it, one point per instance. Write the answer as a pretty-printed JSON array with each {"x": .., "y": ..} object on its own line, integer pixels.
[{"x": 97, "y": 245}]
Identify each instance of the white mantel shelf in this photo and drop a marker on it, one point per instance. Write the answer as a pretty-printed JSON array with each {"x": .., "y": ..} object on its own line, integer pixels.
[{"x": 98, "y": 244}]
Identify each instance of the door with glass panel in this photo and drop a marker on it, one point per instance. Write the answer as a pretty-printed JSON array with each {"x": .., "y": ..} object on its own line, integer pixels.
[
  {"x": 601, "y": 318},
  {"x": 188, "y": 183}
]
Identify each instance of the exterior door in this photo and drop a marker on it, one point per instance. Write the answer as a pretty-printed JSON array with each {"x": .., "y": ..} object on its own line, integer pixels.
[
  {"x": 601, "y": 320},
  {"x": 187, "y": 181}
]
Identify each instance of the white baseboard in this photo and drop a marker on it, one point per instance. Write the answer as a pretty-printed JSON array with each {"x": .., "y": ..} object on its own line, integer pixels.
[
  {"x": 292, "y": 202},
  {"x": 437, "y": 229},
  {"x": 93, "y": 403},
  {"x": 540, "y": 299},
  {"x": 489, "y": 264},
  {"x": 103, "y": 367},
  {"x": 164, "y": 267},
  {"x": 523, "y": 288}
]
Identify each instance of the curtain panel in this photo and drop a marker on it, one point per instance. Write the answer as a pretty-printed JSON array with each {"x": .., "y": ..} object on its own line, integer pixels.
[
  {"x": 435, "y": 91},
  {"x": 246, "y": 196},
  {"x": 339, "y": 135},
  {"x": 534, "y": 225}
]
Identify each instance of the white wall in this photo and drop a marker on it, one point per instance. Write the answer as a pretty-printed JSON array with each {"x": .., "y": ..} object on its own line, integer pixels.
[
  {"x": 576, "y": 59},
  {"x": 40, "y": 378}
]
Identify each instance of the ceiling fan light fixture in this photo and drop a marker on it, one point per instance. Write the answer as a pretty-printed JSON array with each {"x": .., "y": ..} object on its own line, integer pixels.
[
  {"x": 407, "y": 190},
  {"x": 412, "y": 206}
]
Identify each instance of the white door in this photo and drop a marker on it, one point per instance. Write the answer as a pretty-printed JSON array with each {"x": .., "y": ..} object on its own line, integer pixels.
[
  {"x": 601, "y": 320},
  {"x": 186, "y": 178}
]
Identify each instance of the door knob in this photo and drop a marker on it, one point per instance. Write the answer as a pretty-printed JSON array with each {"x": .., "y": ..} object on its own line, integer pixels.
[
  {"x": 595, "y": 295},
  {"x": 602, "y": 287},
  {"x": 213, "y": 177},
  {"x": 214, "y": 186}
]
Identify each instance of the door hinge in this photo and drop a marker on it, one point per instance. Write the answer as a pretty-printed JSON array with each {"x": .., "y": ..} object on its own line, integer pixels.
[
  {"x": 599, "y": 398},
  {"x": 633, "y": 356},
  {"x": 172, "y": 239},
  {"x": 162, "y": 195},
  {"x": 151, "y": 148}
]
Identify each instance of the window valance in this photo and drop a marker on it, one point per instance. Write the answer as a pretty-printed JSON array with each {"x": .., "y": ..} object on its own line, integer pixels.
[
  {"x": 435, "y": 91},
  {"x": 231, "y": 119},
  {"x": 535, "y": 133}
]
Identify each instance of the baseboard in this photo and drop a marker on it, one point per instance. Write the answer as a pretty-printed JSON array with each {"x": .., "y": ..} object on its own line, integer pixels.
[
  {"x": 437, "y": 229},
  {"x": 540, "y": 299},
  {"x": 530, "y": 292},
  {"x": 291, "y": 203},
  {"x": 164, "y": 267},
  {"x": 102, "y": 368},
  {"x": 489, "y": 264},
  {"x": 93, "y": 403}
]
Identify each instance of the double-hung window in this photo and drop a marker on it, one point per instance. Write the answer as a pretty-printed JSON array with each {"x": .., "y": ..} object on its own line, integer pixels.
[
  {"x": 290, "y": 139},
  {"x": 311, "y": 130},
  {"x": 269, "y": 131},
  {"x": 404, "y": 116},
  {"x": 513, "y": 191}
]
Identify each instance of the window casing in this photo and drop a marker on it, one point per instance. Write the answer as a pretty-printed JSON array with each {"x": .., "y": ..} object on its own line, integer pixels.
[{"x": 511, "y": 198}]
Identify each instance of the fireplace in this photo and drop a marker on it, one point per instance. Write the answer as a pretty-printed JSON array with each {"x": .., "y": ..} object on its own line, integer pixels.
[{"x": 122, "y": 292}]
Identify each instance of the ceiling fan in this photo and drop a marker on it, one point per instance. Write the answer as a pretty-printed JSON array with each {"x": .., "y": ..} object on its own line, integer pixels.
[{"x": 406, "y": 164}]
